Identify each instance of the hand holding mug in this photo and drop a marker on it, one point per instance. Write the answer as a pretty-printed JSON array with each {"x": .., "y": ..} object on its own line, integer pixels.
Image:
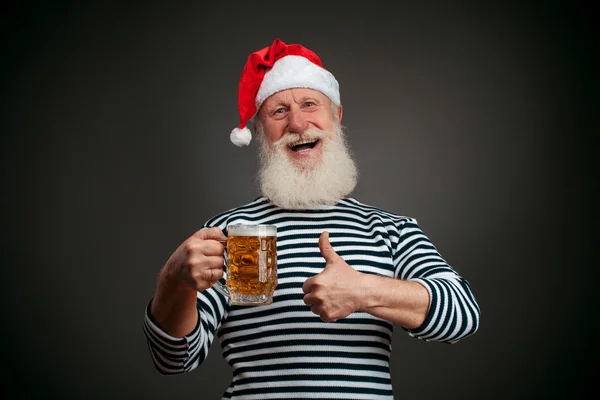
[{"x": 198, "y": 261}]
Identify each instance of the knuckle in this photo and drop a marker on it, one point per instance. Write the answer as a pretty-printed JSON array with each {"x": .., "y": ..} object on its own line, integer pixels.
[
  {"x": 196, "y": 274},
  {"x": 317, "y": 285},
  {"x": 188, "y": 264},
  {"x": 205, "y": 275},
  {"x": 195, "y": 260},
  {"x": 207, "y": 233},
  {"x": 200, "y": 234},
  {"x": 328, "y": 317},
  {"x": 209, "y": 274},
  {"x": 218, "y": 274},
  {"x": 210, "y": 248},
  {"x": 189, "y": 247}
]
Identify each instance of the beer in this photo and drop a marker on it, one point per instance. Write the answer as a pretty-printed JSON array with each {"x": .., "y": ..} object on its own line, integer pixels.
[{"x": 251, "y": 264}]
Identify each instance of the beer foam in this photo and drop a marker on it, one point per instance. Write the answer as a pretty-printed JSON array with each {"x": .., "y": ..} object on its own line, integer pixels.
[{"x": 251, "y": 230}]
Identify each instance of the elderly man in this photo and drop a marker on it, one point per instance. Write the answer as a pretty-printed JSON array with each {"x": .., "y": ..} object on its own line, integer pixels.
[{"x": 348, "y": 272}]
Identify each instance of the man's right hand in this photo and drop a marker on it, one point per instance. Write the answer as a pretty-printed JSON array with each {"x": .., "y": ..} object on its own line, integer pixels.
[
  {"x": 198, "y": 261},
  {"x": 195, "y": 266}
]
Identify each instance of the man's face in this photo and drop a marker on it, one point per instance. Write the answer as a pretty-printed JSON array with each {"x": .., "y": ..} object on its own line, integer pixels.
[
  {"x": 304, "y": 158},
  {"x": 286, "y": 115}
]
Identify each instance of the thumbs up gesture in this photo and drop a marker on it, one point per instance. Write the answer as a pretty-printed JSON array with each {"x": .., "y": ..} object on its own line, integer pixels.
[{"x": 334, "y": 292}]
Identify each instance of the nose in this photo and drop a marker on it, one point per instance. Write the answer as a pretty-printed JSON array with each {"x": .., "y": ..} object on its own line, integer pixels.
[{"x": 297, "y": 122}]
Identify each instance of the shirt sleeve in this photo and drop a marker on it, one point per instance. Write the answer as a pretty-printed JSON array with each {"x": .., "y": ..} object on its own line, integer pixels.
[
  {"x": 453, "y": 312},
  {"x": 173, "y": 355}
]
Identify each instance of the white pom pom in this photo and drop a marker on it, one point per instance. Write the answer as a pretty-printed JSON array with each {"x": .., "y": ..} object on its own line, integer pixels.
[{"x": 241, "y": 137}]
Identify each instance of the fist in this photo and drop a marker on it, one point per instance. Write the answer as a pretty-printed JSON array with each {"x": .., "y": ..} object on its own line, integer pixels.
[
  {"x": 334, "y": 292},
  {"x": 198, "y": 261}
]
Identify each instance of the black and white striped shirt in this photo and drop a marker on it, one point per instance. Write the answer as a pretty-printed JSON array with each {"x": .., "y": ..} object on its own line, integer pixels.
[{"x": 283, "y": 350}]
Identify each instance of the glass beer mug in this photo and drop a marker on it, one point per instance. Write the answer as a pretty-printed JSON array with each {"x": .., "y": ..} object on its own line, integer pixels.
[{"x": 251, "y": 265}]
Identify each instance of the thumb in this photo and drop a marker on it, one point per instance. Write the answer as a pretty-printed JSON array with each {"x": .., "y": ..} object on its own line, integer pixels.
[
  {"x": 210, "y": 233},
  {"x": 326, "y": 250}
]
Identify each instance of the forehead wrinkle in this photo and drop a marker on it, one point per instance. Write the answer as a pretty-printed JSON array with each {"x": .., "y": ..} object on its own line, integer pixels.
[
  {"x": 295, "y": 95},
  {"x": 297, "y": 99},
  {"x": 302, "y": 95}
]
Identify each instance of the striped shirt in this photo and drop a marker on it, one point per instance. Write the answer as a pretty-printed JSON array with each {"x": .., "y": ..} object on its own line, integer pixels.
[{"x": 283, "y": 350}]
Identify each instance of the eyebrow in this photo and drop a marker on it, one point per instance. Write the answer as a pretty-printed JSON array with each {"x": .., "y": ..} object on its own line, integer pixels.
[
  {"x": 282, "y": 103},
  {"x": 306, "y": 98}
]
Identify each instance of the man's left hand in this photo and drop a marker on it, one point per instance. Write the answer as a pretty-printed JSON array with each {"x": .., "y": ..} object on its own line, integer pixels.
[{"x": 334, "y": 292}]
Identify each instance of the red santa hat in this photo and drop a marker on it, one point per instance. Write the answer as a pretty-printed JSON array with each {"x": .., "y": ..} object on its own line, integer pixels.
[{"x": 276, "y": 68}]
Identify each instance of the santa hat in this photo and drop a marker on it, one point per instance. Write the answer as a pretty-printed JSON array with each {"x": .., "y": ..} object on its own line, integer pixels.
[{"x": 276, "y": 68}]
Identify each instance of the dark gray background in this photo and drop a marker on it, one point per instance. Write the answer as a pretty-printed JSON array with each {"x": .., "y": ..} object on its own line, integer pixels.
[{"x": 474, "y": 119}]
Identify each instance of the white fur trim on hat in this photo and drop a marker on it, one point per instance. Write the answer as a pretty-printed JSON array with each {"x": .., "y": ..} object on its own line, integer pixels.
[
  {"x": 241, "y": 137},
  {"x": 297, "y": 72}
]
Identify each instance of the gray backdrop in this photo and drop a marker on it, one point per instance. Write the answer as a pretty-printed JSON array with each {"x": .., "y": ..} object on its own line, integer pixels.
[{"x": 475, "y": 120}]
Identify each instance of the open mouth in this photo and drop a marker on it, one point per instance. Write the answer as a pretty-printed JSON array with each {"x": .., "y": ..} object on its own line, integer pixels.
[{"x": 304, "y": 145}]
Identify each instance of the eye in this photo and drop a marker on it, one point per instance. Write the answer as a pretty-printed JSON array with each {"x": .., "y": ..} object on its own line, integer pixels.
[
  {"x": 279, "y": 110},
  {"x": 309, "y": 104}
]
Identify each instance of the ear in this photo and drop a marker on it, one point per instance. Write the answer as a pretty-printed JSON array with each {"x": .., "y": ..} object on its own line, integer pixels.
[{"x": 339, "y": 113}]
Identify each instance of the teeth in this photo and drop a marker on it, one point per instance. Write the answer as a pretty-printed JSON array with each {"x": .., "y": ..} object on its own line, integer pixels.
[{"x": 302, "y": 142}]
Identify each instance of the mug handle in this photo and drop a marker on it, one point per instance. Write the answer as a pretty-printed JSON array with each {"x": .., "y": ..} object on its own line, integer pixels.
[{"x": 219, "y": 287}]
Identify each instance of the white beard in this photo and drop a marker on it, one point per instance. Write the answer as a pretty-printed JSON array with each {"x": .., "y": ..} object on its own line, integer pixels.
[{"x": 296, "y": 185}]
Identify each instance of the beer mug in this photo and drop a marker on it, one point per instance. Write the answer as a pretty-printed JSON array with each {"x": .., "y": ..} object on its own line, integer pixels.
[{"x": 251, "y": 265}]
